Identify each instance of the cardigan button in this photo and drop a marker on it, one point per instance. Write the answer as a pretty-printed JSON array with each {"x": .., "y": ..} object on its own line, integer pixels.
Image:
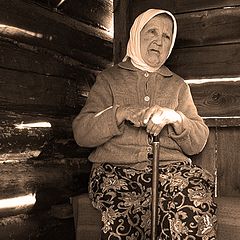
[
  {"x": 146, "y": 98},
  {"x": 146, "y": 74}
]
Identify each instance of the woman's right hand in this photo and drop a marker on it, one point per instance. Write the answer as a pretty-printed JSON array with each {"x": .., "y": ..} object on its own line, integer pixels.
[{"x": 134, "y": 114}]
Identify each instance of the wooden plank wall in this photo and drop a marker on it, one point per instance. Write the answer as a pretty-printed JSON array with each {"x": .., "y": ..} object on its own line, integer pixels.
[
  {"x": 50, "y": 56},
  {"x": 207, "y": 50}
]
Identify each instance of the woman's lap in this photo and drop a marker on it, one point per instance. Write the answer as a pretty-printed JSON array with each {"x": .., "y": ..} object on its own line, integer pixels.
[{"x": 186, "y": 206}]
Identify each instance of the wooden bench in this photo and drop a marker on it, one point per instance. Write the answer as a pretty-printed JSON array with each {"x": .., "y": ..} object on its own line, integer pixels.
[{"x": 88, "y": 220}]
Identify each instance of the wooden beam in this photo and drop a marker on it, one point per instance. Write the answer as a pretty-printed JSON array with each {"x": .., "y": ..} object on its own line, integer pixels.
[
  {"x": 20, "y": 143},
  {"x": 27, "y": 58},
  {"x": 53, "y": 181},
  {"x": 121, "y": 28},
  {"x": 189, "y": 6},
  {"x": 182, "y": 6},
  {"x": 210, "y": 27},
  {"x": 55, "y": 32},
  {"x": 29, "y": 92},
  {"x": 217, "y": 98},
  {"x": 94, "y": 12},
  {"x": 228, "y": 161},
  {"x": 207, "y": 61}
]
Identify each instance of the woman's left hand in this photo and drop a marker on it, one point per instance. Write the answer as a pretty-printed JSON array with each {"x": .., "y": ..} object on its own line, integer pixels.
[{"x": 156, "y": 117}]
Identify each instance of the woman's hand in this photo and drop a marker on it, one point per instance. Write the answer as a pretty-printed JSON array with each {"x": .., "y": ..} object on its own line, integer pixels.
[
  {"x": 134, "y": 114},
  {"x": 156, "y": 117}
]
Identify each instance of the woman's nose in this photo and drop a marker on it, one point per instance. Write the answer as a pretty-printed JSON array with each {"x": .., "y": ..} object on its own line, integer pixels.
[{"x": 159, "y": 40}]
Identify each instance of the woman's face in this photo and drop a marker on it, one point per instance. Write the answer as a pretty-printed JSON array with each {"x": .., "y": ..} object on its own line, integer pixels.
[{"x": 156, "y": 40}]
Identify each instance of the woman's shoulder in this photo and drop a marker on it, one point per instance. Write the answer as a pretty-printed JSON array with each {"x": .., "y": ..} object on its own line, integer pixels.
[{"x": 174, "y": 77}]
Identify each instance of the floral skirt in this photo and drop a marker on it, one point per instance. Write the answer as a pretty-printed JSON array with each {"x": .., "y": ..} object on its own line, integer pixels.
[{"x": 186, "y": 207}]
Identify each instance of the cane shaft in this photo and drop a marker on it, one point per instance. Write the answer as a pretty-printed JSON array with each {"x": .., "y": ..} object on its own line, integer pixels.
[{"x": 155, "y": 179}]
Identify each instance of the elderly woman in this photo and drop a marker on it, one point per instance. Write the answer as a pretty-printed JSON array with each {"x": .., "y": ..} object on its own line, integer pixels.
[{"x": 135, "y": 99}]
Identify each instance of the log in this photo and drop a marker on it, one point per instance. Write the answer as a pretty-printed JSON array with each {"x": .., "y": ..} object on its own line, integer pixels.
[
  {"x": 219, "y": 98},
  {"x": 206, "y": 62},
  {"x": 35, "y": 93},
  {"x": 65, "y": 36},
  {"x": 53, "y": 181},
  {"x": 189, "y": 6},
  {"x": 211, "y": 27},
  {"x": 94, "y": 12},
  {"x": 20, "y": 143},
  {"x": 26, "y": 58},
  {"x": 182, "y": 6},
  {"x": 121, "y": 28},
  {"x": 98, "y": 13}
]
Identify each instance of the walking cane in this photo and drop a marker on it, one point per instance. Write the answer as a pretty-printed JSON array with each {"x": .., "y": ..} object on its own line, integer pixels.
[{"x": 155, "y": 179}]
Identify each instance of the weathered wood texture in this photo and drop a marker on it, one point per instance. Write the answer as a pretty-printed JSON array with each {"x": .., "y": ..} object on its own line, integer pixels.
[
  {"x": 49, "y": 61},
  {"x": 53, "y": 180},
  {"x": 228, "y": 163},
  {"x": 208, "y": 158},
  {"x": 221, "y": 158},
  {"x": 217, "y": 98},
  {"x": 36, "y": 227},
  {"x": 35, "y": 93},
  {"x": 94, "y": 12},
  {"x": 121, "y": 28},
  {"x": 182, "y": 6},
  {"x": 206, "y": 62},
  {"x": 30, "y": 24},
  {"x": 207, "y": 47},
  {"x": 207, "y": 29}
]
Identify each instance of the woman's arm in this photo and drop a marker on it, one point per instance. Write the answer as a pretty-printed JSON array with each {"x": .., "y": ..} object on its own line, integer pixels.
[
  {"x": 191, "y": 133},
  {"x": 96, "y": 123}
]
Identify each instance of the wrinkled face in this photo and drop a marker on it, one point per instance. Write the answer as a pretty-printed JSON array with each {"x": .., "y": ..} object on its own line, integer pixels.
[{"x": 156, "y": 39}]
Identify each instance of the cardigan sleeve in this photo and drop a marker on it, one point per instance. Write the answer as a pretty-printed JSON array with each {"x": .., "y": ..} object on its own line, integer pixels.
[
  {"x": 195, "y": 132},
  {"x": 96, "y": 123}
]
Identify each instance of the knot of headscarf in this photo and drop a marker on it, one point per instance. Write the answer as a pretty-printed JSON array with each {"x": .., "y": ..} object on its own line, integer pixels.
[{"x": 133, "y": 46}]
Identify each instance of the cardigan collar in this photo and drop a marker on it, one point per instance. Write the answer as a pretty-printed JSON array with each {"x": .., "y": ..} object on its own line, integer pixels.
[{"x": 163, "y": 70}]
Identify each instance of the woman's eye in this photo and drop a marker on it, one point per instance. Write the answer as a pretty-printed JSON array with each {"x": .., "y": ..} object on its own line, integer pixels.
[
  {"x": 152, "y": 31},
  {"x": 166, "y": 36}
]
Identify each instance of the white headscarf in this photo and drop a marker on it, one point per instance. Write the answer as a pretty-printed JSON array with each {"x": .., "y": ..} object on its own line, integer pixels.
[{"x": 133, "y": 46}]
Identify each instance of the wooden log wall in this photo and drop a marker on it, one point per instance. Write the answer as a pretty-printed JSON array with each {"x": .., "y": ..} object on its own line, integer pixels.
[
  {"x": 206, "y": 54},
  {"x": 207, "y": 51},
  {"x": 50, "y": 55}
]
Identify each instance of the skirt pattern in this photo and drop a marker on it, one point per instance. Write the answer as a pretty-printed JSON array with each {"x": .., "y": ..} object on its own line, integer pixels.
[{"x": 186, "y": 207}]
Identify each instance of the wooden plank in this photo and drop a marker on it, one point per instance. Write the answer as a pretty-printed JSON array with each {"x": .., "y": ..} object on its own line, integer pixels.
[
  {"x": 66, "y": 36},
  {"x": 228, "y": 218},
  {"x": 207, "y": 159},
  {"x": 139, "y": 6},
  {"x": 53, "y": 181},
  {"x": 206, "y": 62},
  {"x": 233, "y": 121},
  {"x": 182, "y": 6},
  {"x": 188, "y": 6},
  {"x": 95, "y": 12},
  {"x": 26, "y": 58},
  {"x": 121, "y": 28},
  {"x": 212, "y": 27},
  {"x": 19, "y": 142},
  {"x": 30, "y": 92},
  {"x": 217, "y": 98},
  {"x": 228, "y": 165}
]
